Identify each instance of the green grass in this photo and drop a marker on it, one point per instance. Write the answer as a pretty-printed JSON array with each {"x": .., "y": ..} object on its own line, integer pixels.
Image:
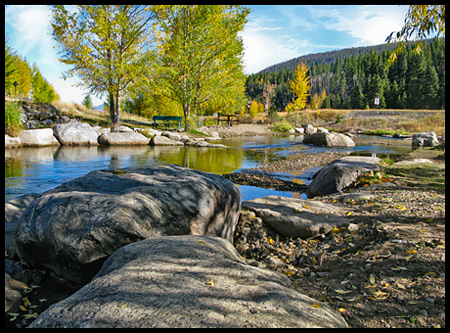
[{"x": 13, "y": 124}]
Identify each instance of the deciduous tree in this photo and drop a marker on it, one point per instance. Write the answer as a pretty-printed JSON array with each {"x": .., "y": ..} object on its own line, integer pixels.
[{"x": 107, "y": 45}]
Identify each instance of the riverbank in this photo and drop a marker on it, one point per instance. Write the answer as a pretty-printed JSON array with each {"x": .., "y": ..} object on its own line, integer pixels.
[{"x": 387, "y": 269}]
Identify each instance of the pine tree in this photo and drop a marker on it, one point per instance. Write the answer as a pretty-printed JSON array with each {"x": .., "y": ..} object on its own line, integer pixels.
[{"x": 431, "y": 88}]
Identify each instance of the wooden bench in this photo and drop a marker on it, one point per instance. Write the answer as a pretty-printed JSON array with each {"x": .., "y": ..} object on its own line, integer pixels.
[{"x": 166, "y": 120}]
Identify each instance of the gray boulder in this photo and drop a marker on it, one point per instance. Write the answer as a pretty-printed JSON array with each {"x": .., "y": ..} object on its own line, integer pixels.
[
  {"x": 11, "y": 142},
  {"x": 329, "y": 139},
  {"x": 428, "y": 139},
  {"x": 340, "y": 174},
  {"x": 38, "y": 137},
  {"x": 73, "y": 228},
  {"x": 75, "y": 133},
  {"x": 293, "y": 217},
  {"x": 164, "y": 141},
  {"x": 186, "y": 281},
  {"x": 124, "y": 138}
]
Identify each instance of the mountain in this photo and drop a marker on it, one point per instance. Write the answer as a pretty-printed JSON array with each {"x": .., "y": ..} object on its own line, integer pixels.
[{"x": 331, "y": 56}]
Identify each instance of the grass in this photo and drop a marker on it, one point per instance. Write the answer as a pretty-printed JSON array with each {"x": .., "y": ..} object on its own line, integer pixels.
[
  {"x": 13, "y": 124},
  {"x": 99, "y": 118}
]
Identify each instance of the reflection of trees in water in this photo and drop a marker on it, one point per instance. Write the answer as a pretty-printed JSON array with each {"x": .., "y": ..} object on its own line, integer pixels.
[{"x": 214, "y": 160}]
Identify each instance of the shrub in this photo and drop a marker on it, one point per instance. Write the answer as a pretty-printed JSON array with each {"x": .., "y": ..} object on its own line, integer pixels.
[
  {"x": 13, "y": 124},
  {"x": 282, "y": 126}
]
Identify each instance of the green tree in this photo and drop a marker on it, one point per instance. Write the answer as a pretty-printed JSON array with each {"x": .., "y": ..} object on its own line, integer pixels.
[
  {"x": 200, "y": 54},
  {"x": 42, "y": 90},
  {"x": 23, "y": 76},
  {"x": 421, "y": 20},
  {"x": 357, "y": 98},
  {"x": 87, "y": 102},
  {"x": 107, "y": 45},
  {"x": 10, "y": 68}
]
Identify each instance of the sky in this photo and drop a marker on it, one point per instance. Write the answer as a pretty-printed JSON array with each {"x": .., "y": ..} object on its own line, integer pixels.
[{"x": 273, "y": 34}]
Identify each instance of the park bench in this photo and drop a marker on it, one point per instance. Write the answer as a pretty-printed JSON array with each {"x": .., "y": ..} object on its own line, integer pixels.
[{"x": 166, "y": 120}]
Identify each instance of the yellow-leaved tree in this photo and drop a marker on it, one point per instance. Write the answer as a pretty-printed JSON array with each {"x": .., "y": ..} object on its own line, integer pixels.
[{"x": 299, "y": 86}]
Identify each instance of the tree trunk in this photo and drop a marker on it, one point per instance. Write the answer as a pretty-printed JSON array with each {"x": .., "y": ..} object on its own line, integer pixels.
[
  {"x": 112, "y": 110},
  {"x": 187, "y": 112}
]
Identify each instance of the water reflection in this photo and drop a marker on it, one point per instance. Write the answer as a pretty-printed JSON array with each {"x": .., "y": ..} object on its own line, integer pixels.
[{"x": 36, "y": 170}]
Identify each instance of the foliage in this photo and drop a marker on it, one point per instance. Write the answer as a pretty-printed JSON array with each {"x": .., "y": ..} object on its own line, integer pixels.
[
  {"x": 199, "y": 61},
  {"x": 299, "y": 86},
  {"x": 353, "y": 77},
  {"x": 13, "y": 124},
  {"x": 282, "y": 126},
  {"x": 421, "y": 20},
  {"x": 87, "y": 102},
  {"x": 107, "y": 45},
  {"x": 42, "y": 90}
]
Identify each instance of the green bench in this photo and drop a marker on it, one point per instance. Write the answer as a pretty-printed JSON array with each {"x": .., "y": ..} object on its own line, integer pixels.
[{"x": 166, "y": 120}]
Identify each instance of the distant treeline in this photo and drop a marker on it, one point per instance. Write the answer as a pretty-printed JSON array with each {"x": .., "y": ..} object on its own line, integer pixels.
[{"x": 354, "y": 78}]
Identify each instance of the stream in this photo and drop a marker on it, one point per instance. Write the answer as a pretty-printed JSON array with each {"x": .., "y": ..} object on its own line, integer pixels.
[{"x": 36, "y": 170}]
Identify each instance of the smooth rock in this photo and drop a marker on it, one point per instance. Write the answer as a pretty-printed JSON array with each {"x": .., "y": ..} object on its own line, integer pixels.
[
  {"x": 164, "y": 141},
  {"x": 186, "y": 281},
  {"x": 75, "y": 133},
  {"x": 427, "y": 139},
  {"x": 11, "y": 142},
  {"x": 413, "y": 161},
  {"x": 38, "y": 137},
  {"x": 329, "y": 139},
  {"x": 124, "y": 138},
  {"x": 73, "y": 228},
  {"x": 292, "y": 217},
  {"x": 340, "y": 174}
]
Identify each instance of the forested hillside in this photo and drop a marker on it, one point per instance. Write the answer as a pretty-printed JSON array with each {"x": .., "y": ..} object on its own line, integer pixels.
[{"x": 354, "y": 78}]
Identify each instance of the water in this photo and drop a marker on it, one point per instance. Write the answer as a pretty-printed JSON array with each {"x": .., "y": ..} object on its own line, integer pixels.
[{"x": 36, "y": 170}]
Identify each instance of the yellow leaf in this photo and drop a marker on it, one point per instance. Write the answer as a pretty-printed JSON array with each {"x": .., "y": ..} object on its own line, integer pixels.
[
  {"x": 342, "y": 292},
  {"x": 349, "y": 213},
  {"x": 201, "y": 242},
  {"x": 32, "y": 315},
  {"x": 26, "y": 301},
  {"x": 430, "y": 273},
  {"x": 316, "y": 305},
  {"x": 124, "y": 306},
  {"x": 411, "y": 251},
  {"x": 400, "y": 286},
  {"x": 270, "y": 241},
  {"x": 341, "y": 310},
  {"x": 23, "y": 308},
  {"x": 210, "y": 283},
  {"x": 305, "y": 206},
  {"x": 372, "y": 278},
  {"x": 336, "y": 230}
]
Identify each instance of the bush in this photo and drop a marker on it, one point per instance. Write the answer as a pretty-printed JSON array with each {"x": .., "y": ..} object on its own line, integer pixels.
[
  {"x": 13, "y": 124},
  {"x": 282, "y": 126}
]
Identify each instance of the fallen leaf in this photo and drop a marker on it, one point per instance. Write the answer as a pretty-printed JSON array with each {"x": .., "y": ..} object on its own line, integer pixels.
[
  {"x": 21, "y": 307},
  {"x": 210, "y": 283},
  {"x": 411, "y": 251},
  {"x": 201, "y": 242},
  {"x": 336, "y": 230},
  {"x": 399, "y": 268},
  {"x": 124, "y": 306},
  {"x": 26, "y": 301},
  {"x": 400, "y": 286},
  {"x": 305, "y": 206},
  {"x": 316, "y": 305},
  {"x": 32, "y": 315},
  {"x": 341, "y": 310},
  {"x": 372, "y": 278},
  {"x": 349, "y": 213},
  {"x": 342, "y": 292}
]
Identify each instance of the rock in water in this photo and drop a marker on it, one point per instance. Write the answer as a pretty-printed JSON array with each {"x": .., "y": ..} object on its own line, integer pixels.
[
  {"x": 75, "y": 133},
  {"x": 339, "y": 174},
  {"x": 329, "y": 139},
  {"x": 187, "y": 281},
  {"x": 73, "y": 228}
]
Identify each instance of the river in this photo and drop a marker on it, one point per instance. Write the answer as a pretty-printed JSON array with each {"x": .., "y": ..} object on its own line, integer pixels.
[{"x": 36, "y": 170}]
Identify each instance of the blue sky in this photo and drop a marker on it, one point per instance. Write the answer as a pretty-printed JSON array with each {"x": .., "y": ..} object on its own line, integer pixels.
[{"x": 273, "y": 34}]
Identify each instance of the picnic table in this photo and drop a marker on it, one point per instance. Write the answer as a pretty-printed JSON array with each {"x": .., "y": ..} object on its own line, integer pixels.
[{"x": 228, "y": 118}]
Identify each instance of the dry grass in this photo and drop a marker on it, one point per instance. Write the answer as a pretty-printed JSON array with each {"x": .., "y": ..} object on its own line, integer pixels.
[{"x": 100, "y": 118}]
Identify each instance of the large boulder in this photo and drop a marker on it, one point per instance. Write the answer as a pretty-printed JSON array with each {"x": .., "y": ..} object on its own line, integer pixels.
[
  {"x": 73, "y": 228},
  {"x": 292, "y": 217},
  {"x": 38, "y": 137},
  {"x": 75, "y": 133},
  {"x": 12, "y": 142},
  {"x": 123, "y": 138},
  {"x": 329, "y": 139},
  {"x": 340, "y": 174},
  {"x": 186, "y": 281},
  {"x": 160, "y": 140},
  {"x": 428, "y": 139}
]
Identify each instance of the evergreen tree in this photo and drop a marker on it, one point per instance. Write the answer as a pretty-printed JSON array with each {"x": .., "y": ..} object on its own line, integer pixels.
[
  {"x": 87, "y": 102},
  {"x": 357, "y": 98},
  {"x": 431, "y": 88}
]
